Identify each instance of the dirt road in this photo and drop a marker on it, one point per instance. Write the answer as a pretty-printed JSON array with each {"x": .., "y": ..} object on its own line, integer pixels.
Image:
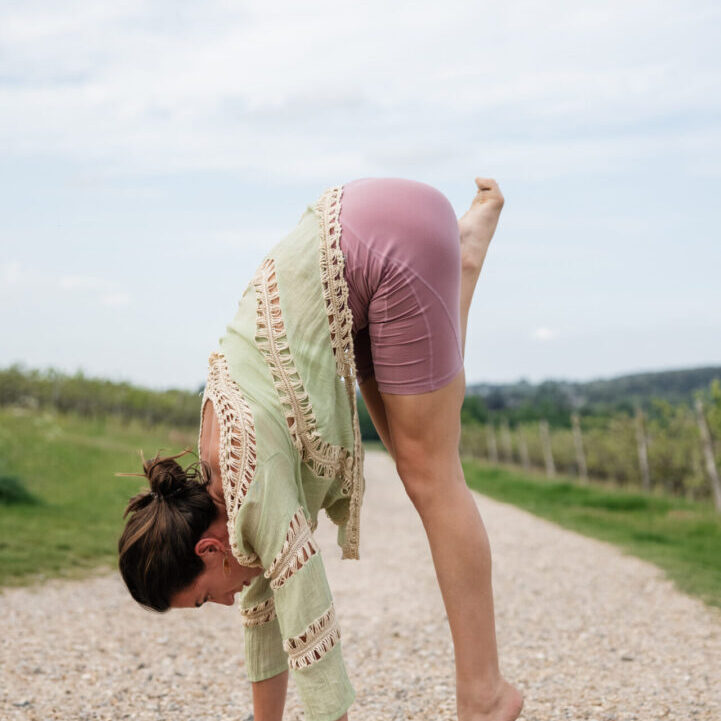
[{"x": 584, "y": 631}]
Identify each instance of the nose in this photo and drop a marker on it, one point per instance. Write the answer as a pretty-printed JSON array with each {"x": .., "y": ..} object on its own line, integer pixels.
[{"x": 227, "y": 600}]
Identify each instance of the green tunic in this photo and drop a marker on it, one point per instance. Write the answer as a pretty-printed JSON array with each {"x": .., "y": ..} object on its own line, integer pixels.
[{"x": 283, "y": 388}]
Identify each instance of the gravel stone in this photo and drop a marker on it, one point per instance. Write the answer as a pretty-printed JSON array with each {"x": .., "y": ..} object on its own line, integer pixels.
[{"x": 585, "y": 632}]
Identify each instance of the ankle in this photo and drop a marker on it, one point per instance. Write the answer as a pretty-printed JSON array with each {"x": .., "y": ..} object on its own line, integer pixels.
[
  {"x": 475, "y": 697},
  {"x": 473, "y": 253},
  {"x": 470, "y": 268},
  {"x": 505, "y": 704}
]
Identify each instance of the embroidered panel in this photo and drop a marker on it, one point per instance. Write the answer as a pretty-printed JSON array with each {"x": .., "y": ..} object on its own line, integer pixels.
[
  {"x": 310, "y": 646},
  {"x": 340, "y": 318},
  {"x": 298, "y": 547},
  {"x": 237, "y": 456},
  {"x": 325, "y": 459},
  {"x": 335, "y": 288},
  {"x": 262, "y": 613}
]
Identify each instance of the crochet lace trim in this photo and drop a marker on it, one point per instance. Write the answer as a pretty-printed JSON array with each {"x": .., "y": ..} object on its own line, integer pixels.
[
  {"x": 237, "y": 455},
  {"x": 258, "y": 615},
  {"x": 335, "y": 294},
  {"x": 310, "y": 646},
  {"x": 297, "y": 550},
  {"x": 325, "y": 459}
]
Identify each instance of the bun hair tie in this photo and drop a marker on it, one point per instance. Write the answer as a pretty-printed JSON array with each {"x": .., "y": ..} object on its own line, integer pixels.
[{"x": 174, "y": 492}]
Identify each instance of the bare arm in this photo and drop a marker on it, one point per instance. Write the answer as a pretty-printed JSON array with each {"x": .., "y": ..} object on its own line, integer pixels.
[{"x": 269, "y": 698}]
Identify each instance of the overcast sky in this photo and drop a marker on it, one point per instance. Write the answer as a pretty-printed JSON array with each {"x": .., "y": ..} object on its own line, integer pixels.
[{"x": 151, "y": 153}]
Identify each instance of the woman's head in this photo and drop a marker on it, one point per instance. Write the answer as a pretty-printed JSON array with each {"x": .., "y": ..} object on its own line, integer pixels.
[{"x": 174, "y": 536}]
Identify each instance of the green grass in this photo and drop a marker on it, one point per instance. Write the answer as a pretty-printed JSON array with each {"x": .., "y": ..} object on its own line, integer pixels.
[
  {"x": 681, "y": 537},
  {"x": 14, "y": 493},
  {"x": 67, "y": 464}
]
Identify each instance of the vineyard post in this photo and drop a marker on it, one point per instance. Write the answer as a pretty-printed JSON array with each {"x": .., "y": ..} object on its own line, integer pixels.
[
  {"x": 506, "y": 439},
  {"x": 492, "y": 447},
  {"x": 578, "y": 442},
  {"x": 523, "y": 447},
  {"x": 707, "y": 444},
  {"x": 642, "y": 450},
  {"x": 546, "y": 443}
]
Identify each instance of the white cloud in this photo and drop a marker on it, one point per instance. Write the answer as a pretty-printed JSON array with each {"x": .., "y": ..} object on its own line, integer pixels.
[
  {"x": 108, "y": 292},
  {"x": 11, "y": 273},
  {"x": 544, "y": 334},
  {"x": 115, "y": 299},
  {"x": 81, "y": 282},
  {"x": 280, "y": 89}
]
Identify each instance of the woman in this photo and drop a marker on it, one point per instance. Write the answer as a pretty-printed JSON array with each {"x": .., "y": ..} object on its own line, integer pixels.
[{"x": 374, "y": 284}]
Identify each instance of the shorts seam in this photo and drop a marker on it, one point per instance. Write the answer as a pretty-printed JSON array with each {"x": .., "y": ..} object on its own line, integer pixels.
[
  {"x": 437, "y": 297},
  {"x": 438, "y": 382}
]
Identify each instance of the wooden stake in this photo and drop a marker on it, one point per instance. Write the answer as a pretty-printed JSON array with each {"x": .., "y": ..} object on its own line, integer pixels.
[
  {"x": 578, "y": 442},
  {"x": 642, "y": 450},
  {"x": 506, "y": 440},
  {"x": 523, "y": 447},
  {"x": 547, "y": 453},
  {"x": 492, "y": 447},
  {"x": 707, "y": 444}
]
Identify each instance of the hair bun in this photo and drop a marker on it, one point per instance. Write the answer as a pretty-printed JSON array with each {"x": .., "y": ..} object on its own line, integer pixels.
[
  {"x": 165, "y": 475},
  {"x": 168, "y": 479}
]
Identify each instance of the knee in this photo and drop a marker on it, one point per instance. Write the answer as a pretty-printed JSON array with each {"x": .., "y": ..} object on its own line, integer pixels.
[{"x": 425, "y": 478}]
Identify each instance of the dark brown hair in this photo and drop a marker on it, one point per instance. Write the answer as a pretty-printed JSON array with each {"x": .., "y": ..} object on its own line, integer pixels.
[{"x": 157, "y": 548}]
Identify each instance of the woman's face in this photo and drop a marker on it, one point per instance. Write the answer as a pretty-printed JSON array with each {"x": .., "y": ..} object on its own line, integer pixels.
[{"x": 215, "y": 584}]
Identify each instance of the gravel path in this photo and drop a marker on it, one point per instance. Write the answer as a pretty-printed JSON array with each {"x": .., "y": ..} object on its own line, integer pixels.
[{"x": 584, "y": 631}]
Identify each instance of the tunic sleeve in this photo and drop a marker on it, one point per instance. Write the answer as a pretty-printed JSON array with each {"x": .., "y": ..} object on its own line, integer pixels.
[
  {"x": 273, "y": 524},
  {"x": 264, "y": 654}
]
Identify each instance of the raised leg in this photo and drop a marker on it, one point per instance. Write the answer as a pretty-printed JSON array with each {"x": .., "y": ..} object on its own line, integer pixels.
[
  {"x": 476, "y": 228},
  {"x": 376, "y": 409},
  {"x": 425, "y": 431}
]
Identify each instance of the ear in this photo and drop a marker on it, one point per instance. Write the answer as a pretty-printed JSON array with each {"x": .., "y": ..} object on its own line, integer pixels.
[{"x": 207, "y": 545}]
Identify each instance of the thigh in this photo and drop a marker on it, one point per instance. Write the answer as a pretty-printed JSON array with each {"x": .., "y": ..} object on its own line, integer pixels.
[
  {"x": 424, "y": 431},
  {"x": 376, "y": 410},
  {"x": 363, "y": 357}
]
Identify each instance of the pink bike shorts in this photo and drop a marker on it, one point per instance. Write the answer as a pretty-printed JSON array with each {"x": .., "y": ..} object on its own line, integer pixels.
[{"x": 401, "y": 245}]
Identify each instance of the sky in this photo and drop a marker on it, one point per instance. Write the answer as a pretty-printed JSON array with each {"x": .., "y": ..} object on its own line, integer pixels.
[{"x": 151, "y": 153}]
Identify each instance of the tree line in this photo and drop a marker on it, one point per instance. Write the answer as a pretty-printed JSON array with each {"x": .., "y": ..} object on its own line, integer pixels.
[{"x": 97, "y": 397}]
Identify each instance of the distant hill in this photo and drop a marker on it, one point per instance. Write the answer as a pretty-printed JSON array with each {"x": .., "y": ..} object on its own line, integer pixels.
[{"x": 599, "y": 395}]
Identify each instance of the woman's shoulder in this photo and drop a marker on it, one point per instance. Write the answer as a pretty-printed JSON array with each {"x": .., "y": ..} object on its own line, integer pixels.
[{"x": 209, "y": 451}]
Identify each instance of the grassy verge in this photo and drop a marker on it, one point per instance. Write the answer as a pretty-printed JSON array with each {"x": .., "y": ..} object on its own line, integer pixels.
[
  {"x": 67, "y": 464},
  {"x": 681, "y": 537}
]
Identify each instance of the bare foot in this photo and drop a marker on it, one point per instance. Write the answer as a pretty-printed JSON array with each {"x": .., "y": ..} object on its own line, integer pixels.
[
  {"x": 505, "y": 707},
  {"x": 479, "y": 223}
]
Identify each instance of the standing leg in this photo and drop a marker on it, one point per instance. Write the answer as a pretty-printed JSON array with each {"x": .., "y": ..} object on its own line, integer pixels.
[{"x": 425, "y": 432}]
